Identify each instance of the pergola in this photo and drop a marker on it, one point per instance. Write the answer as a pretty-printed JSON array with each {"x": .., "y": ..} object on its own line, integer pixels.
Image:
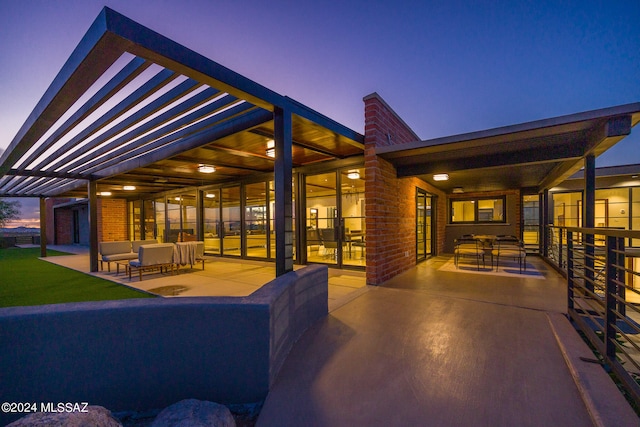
[{"x": 131, "y": 107}]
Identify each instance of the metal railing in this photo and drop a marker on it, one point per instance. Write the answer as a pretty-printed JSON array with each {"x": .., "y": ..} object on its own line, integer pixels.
[{"x": 603, "y": 294}]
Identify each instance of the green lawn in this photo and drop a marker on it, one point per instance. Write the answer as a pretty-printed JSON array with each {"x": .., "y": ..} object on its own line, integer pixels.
[{"x": 26, "y": 280}]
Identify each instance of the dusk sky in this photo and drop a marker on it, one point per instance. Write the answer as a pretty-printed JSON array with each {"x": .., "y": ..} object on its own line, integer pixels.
[{"x": 445, "y": 67}]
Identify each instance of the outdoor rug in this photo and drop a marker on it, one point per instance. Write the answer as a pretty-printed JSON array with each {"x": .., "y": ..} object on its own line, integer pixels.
[{"x": 507, "y": 268}]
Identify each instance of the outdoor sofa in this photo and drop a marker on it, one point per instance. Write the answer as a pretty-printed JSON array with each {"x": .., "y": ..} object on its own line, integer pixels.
[
  {"x": 155, "y": 256},
  {"x": 122, "y": 250}
]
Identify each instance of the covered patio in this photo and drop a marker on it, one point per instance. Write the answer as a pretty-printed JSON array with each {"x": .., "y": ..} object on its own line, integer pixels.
[{"x": 220, "y": 277}]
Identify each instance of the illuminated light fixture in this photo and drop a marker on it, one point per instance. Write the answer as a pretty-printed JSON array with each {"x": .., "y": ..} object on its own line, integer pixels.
[
  {"x": 206, "y": 168},
  {"x": 634, "y": 176},
  {"x": 441, "y": 177},
  {"x": 271, "y": 148},
  {"x": 458, "y": 190},
  {"x": 178, "y": 198},
  {"x": 211, "y": 195},
  {"x": 129, "y": 188},
  {"x": 104, "y": 193},
  {"x": 353, "y": 174}
]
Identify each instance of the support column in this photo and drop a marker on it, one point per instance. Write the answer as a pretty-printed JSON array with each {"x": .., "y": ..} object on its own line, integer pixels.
[
  {"x": 92, "y": 189},
  {"x": 545, "y": 209},
  {"x": 43, "y": 227},
  {"x": 588, "y": 216},
  {"x": 282, "y": 181}
]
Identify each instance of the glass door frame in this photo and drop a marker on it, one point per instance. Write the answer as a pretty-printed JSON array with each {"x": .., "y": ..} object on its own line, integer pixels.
[
  {"x": 428, "y": 232},
  {"x": 339, "y": 221}
]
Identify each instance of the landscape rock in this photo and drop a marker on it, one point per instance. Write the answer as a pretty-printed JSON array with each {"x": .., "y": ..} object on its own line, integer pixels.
[
  {"x": 96, "y": 416},
  {"x": 195, "y": 413}
]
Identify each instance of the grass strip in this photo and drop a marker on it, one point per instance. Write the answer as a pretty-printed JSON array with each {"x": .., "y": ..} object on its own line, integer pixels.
[{"x": 26, "y": 280}]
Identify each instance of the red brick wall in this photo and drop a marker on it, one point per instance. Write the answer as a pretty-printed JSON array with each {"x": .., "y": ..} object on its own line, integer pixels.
[
  {"x": 55, "y": 225},
  {"x": 64, "y": 226},
  {"x": 390, "y": 201},
  {"x": 112, "y": 220}
]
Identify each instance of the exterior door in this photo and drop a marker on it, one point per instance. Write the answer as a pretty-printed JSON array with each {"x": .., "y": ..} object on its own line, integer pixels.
[
  {"x": 424, "y": 225},
  {"x": 322, "y": 219}
]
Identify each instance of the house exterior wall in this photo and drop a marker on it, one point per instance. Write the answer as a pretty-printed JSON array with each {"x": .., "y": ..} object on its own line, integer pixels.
[
  {"x": 391, "y": 201},
  {"x": 112, "y": 220},
  {"x": 64, "y": 226},
  {"x": 511, "y": 227}
]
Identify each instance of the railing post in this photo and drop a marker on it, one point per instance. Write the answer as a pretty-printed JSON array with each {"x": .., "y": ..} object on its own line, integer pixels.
[
  {"x": 560, "y": 231},
  {"x": 610, "y": 300},
  {"x": 570, "y": 305},
  {"x": 620, "y": 273}
]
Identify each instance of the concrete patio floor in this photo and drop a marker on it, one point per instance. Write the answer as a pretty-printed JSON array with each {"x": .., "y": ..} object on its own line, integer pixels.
[
  {"x": 443, "y": 348},
  {"x": 220, "y": 277}
]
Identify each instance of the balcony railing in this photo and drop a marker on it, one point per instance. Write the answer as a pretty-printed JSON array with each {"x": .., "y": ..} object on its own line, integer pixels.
[{"x": 603, "y": 294}]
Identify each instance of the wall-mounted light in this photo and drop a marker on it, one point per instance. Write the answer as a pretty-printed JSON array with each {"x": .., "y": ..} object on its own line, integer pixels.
[
  {"x": 129, "y": 188},
  {"x": 441, "y": 177},
  {"x": 104, "y": 193},
  {"x": 177, "y": 198},
  {"x": 202, "y": 168},
  {"x": 210, "y": 195},
  {"x": 271, "y": 148},
  {"x": 353, "y": 174}
]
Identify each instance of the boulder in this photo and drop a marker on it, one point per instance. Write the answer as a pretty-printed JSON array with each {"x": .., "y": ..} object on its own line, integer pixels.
[
  {"x": 194, "y": 413},
  {"x": 95, "y": 416}
]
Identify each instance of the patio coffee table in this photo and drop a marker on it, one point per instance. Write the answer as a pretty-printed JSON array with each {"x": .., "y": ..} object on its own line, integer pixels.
[{"x": 125, "y": 264}]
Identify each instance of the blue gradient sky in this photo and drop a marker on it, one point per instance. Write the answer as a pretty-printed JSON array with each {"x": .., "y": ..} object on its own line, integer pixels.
[{"x": 445, "y": 67}]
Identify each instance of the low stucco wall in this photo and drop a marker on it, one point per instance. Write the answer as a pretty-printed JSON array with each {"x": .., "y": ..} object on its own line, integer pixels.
[{"x": 147, "y": 354}]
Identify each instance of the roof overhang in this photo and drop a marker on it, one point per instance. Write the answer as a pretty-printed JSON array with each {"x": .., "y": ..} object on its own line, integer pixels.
[
  {"x": 132, "y": 106},
  {"x": 533, "y": 156}
]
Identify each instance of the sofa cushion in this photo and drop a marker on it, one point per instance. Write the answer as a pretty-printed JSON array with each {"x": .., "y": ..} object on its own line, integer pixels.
[{"x": 119, "y": 257}]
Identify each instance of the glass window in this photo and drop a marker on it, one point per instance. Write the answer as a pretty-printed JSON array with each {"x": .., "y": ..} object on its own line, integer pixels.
[
  {"x": 567, "y": 210},
  {"x": 635, "y": 214},
  {"x": 211, "y": 202},
  {"x": 478, "y": 210},
  {"x": 231, "y": 217},
  {"x": 159, "y": 209},
  {"x": 353, "y": 218},
  {"x": 531, "y": 218},
  {"x": 255, "y": 217}
]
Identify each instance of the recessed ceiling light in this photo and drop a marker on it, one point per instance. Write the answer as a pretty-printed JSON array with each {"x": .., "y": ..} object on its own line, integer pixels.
[
  {"x": 129, "y": 188},
  {"x": 353, "y": 174},
  {"x": 206, "y": 168},
  {"x": 441, "y": 177}
]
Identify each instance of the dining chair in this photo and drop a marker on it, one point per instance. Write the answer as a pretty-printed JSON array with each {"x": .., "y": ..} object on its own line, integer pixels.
[
  {"x": 466, "y": 247},
  {"x": 510, "y": 247},
  {"x": 329, "y": 241}
]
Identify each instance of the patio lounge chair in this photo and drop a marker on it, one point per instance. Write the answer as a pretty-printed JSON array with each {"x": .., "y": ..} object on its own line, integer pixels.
[{"x": 151, "y": 257}]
